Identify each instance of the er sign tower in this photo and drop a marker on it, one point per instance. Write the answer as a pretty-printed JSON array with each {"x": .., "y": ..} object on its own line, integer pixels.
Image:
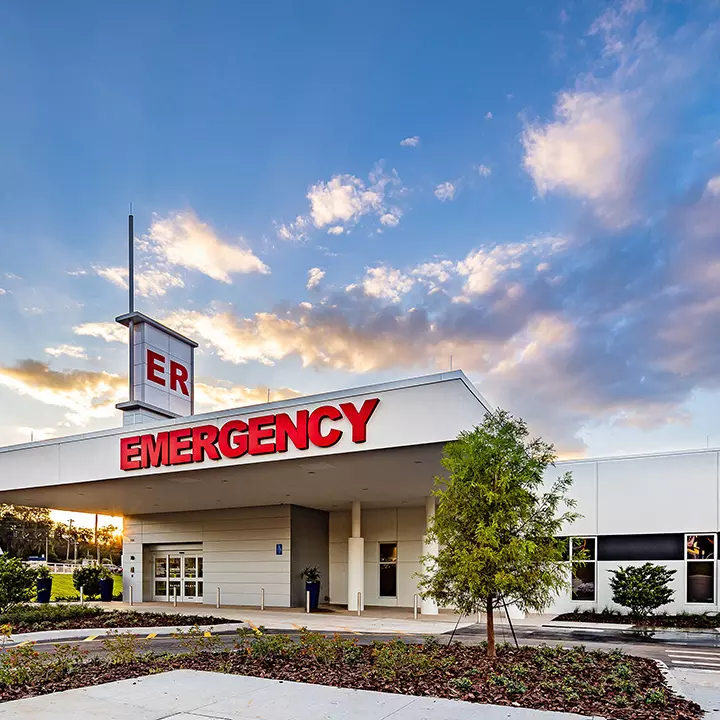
[{"x": 162, "y": 362}]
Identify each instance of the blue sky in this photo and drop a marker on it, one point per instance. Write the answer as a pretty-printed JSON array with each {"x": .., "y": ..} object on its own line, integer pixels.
[{"x": 329, "y": 194}]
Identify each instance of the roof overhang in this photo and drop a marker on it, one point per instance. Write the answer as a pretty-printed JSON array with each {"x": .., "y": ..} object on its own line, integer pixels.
[{"x": 394, "y": 465}]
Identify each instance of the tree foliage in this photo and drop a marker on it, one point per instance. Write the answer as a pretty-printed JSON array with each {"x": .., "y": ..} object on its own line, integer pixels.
[
  {"x": 642, "y": 588},
  {"x": 88, "y": 578},
  {"x": 17, "y": 582},
  {"x": 496, "y": 528}
]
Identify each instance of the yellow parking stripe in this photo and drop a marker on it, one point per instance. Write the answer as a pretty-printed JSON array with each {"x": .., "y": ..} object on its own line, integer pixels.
[
  {"x": 90, "y": 638},
  {"x": 24, "y": 642},
  {"x": 297, "y": 627},
  {"x": 350, "y": 630},
  {"x": 151, "y": 636},
  {"x": 207, "y": 633},
  {"x": 251, "y": 624}
]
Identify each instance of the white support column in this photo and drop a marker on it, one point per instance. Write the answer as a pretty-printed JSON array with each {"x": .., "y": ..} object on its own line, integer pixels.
[
  {"x": 429, "y": 606},
  {"x": 356, "y": 560}
]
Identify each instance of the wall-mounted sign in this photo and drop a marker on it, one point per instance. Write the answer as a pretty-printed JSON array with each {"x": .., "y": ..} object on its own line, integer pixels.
[
  {"x": 322, "y": 427},
  {"x": 162, "y": 368},
  {"x": 278, "y": 549}
]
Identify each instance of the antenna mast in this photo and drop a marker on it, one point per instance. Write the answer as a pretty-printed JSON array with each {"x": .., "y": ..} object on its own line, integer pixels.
[{"x": 131, "y": 300}]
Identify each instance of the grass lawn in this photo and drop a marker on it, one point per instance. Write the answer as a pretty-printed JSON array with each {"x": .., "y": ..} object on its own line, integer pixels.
[{"x": 62, "y": 586}]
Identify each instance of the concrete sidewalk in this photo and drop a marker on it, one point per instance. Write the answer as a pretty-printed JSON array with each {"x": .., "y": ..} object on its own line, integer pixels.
[{"x": 194, "y": 695}]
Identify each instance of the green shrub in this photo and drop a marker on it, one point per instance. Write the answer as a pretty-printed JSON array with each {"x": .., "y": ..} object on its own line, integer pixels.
[
  {"x": 122, "y": 647},
  {"x": 46, "y": 617},
  {"x": 395, "y": 658},
  {"x": 88, "y": 578},
  {"x": 196, "y": 641},
  {"x": 43, "y": 572},
  {"x": 17, "y": 582},
  {"x": 272, "y": 646},
  {"x": 20, "y": 665},
  {"x": 329, "y": 651},
  {"x": 642, "y": 588}
]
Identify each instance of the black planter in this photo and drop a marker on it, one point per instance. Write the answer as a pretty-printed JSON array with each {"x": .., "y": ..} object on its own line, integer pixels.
[
  {"x": 106, "y": 589},
  {"x": 44, "y": 589},
  {"x": 314, "y": 589}
]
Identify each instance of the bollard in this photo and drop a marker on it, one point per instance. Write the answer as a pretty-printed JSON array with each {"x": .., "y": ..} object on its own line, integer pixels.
[
  {"x": 307, "y": 601},
  {"x": 82, "y": 596},
  {"x": 174, "y": 597},
  {"x": 217, "y": 598},
  {"x": 262, "y": 598},
  {"x": 130, "y": 589},
  {"x": 415, "y": 606},
  {"x": 359, "y": 602}
]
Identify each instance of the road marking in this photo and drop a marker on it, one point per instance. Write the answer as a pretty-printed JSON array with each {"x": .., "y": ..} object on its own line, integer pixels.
[
  {"x": 350, "y": 630},
  {"x": 24, "y": 642},
  {"x": 251, "y": 624},
  {"x": 90, "y": 638},
  {"x": 207, "y": 633},
  {"x": 696, "y": 662},
  {"x": 693, "y": 653},
  {"x": 151, "y": 636},
  {"x": 297, "y": 627}
]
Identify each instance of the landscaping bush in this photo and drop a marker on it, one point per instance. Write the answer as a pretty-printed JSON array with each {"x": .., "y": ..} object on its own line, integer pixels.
[
  {"x": 88, "y": 578},
  {"x": 17, "y": 582},
  {"x": 642, "y": 588}
]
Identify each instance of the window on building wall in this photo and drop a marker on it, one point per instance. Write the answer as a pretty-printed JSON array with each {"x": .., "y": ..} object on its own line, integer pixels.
[
  {"x": 582, "y": 554},
  {"x": 388, "y": 569},
  {"x": 700, "y": 568}
]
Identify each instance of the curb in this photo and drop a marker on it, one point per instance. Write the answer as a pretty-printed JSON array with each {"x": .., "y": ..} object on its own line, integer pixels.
[
  {"x": 90, "y": 634},
  {"x": 671, "y": 680}
]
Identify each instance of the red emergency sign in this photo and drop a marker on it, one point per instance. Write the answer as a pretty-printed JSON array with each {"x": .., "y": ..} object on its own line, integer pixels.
[{"x": 260, "y": 435}]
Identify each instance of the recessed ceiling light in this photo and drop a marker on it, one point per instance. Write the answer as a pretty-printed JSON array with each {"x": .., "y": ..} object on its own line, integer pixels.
[
  {"x": 288, "y": 495},
  {"x": 311, "y": 472},
  {"x": 364, "y": 488},
  {"x": 417, "y": 462}
]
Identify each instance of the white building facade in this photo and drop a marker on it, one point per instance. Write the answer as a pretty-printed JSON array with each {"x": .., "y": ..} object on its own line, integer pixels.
[{"x": 241, "y": 501}]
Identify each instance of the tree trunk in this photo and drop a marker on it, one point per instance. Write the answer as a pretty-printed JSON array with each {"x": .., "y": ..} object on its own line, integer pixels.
[{"x": 490, "y": 628}]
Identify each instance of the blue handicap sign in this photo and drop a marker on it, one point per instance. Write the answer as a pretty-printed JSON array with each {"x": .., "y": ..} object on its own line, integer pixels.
[{"x": 278, "y": 549}]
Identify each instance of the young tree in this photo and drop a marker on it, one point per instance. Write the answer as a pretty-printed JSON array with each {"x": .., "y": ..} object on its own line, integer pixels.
[
  {"x": 496, "y": 529},
  {"x": 642, "y": 588}
]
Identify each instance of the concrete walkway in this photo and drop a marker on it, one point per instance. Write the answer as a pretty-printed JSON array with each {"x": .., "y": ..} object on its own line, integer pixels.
[{"x": 193, "y": 695}]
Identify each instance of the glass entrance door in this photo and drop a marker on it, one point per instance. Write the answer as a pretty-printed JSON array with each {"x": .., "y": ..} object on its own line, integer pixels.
[{"x": 178, "y": 576}]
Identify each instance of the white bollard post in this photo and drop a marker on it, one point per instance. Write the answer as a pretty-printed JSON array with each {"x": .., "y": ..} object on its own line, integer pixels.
[
  {"x": 415, "y": 606},
  {"x": 262, "y": 598},
  {"x": 359, "y": 602},
  {"x": 82, "y": 596},
  {"x": 130, "y": 588},
  {"x": 307, "y": 601},
  {"x": 174, "y": 597},
  {"x": 217, "y": 598}
]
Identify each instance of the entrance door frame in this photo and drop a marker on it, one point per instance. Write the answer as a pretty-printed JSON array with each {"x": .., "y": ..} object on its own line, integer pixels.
[{"x": 183, "y": 581}]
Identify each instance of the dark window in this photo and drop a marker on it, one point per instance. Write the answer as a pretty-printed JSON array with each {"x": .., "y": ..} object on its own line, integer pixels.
[
  {"x": 623, "y": 548},
  {"x": 388, "y": 569},
  {"x": 700, "y": 582}
]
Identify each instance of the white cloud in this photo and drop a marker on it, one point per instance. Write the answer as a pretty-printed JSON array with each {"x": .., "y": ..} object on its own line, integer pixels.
[
  {"x": 413, "y": 141},
  {"x": 84, "y": 394},
  {"x": 296, "y": 231},
  {"x": 484, "y": 267},
  {"x": 386, "y": 283},
  {"x": 148, "y": 283},
  {"x": 484, "y": 171},
  {"x": 445, "y": 191},
  {"x": 107, "y": 331},
  {"x": 435, "y": 272},
  {"x": 3, "y": 291},
  {"x": 221, "y": 397},
  {"x": 336, "y": 230},
  {"x": 391, "y": 219},
  {"x": 342, "y": 199},
  {"x": 713, "y": 186},
  {"x": 315, "y": 275},
  {"x": 73, "y": 351},
  {"x": 488, "y": 115},
  {"x": 588, "y": 151},
  {"x": 181, "y": 239}
]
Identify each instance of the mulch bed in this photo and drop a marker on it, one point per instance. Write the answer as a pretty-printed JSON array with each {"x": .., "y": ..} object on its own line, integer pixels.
[
  {"x": 116, "y": 619},
  {"x": 699, "y": 621},
  {"x": 611, "y": 685}
]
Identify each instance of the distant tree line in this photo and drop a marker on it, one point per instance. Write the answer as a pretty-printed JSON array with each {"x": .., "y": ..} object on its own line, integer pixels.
[{"x": 27, "y": 532}]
